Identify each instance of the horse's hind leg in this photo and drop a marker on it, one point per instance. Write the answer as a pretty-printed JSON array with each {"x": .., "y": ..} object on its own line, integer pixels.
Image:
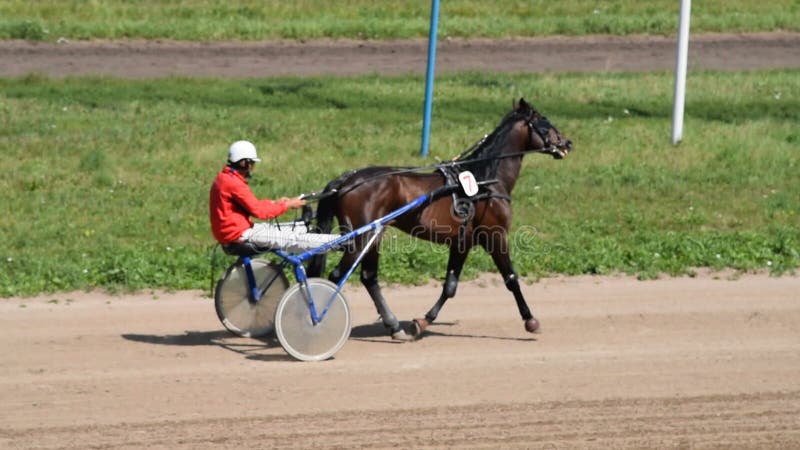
[
  {"x": 454, "y": 265},
  {"x": 498, "y": 248},
  {"x": 369, "y": 277}
]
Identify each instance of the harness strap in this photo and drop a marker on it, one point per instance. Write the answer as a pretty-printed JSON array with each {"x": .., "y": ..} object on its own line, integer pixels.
[
  {"x": 463, "y": 207},
  {"x": 540, "y": 126}
]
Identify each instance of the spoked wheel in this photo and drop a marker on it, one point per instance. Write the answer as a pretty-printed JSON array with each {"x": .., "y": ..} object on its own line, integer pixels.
[
  {"x": 297, "y": 333},
  {"x": 234, "y": 304}
]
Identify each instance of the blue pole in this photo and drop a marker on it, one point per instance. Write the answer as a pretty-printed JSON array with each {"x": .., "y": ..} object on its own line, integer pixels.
[{"x": 426, "y": 120}]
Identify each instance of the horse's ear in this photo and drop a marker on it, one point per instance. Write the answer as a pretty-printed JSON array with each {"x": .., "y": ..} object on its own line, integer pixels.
[{"x": 522, "y": 106}]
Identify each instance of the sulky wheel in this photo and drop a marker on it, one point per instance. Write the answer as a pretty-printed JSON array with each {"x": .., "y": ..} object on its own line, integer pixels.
[
  {"x": 295, "y": 329},
  {"x": 234, "y": 304}
]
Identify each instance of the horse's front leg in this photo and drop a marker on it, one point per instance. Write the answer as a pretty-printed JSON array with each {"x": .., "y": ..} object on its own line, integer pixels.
[
  {"x": 369, "y": 278},
  {"x": 497, "y": 246},
  {"x": 458, "y": 254}
]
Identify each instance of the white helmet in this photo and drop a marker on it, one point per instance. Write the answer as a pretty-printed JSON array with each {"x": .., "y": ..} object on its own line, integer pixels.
[{"x": 242, "y": 150}]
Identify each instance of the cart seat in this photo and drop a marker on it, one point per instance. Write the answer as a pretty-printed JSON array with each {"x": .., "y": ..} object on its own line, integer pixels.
[{"x": 242, "y": 249}]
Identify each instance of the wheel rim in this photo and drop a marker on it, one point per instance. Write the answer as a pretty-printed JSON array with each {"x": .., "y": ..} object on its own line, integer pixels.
[
  {"x": 295, "y": 330},
  {"x": 232, "y": 300}
]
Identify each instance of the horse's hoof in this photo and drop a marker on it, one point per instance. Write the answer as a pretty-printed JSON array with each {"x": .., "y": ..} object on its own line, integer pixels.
[
  {"x": 402, "y": 336},
  {"x": 532, "y": 326},
  {"x": 418, "y": 326}
]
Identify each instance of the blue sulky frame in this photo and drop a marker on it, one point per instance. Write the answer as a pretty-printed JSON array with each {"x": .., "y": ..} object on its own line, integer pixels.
[{"x": 297, "y": 260}]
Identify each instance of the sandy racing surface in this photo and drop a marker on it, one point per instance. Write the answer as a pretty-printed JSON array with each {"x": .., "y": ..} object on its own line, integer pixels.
[
  {"x": 140, "y": 59},
  {"x": 701, "y": 363}
]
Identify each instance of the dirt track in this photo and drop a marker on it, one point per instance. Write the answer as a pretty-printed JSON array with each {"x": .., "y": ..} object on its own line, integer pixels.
[
  {"x": 347, "y": 57},
  {"x": 621, "y": 363}
]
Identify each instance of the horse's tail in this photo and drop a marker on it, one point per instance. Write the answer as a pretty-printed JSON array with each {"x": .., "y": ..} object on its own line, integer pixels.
[{"x": 326, "y": 210}]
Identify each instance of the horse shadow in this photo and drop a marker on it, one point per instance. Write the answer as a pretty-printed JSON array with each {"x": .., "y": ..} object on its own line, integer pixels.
[
  {"x": 377, "y": 332},
  {"x": 254, "y": 348},
  {"x": 251, "y": 348}
]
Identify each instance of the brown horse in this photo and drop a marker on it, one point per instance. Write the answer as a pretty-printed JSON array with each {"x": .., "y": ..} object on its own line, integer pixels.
[{"x": 451, "y": 218}]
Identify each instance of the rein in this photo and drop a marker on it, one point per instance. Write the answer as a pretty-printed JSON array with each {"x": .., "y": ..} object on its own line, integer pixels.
[{"x": 541, "y": 126}]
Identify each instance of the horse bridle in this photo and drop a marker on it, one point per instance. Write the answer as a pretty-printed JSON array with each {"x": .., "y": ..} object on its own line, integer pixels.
[{"x": 541, "y": 126}]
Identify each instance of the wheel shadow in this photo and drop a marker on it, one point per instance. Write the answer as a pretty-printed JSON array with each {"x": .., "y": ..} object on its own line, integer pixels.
[
  {"x": 251, "y": 348},
  {"x": 377, "y": 332}
]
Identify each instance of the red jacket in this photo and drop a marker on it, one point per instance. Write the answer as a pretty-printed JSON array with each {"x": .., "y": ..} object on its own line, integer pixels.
[{"x": 232, "y": 203}]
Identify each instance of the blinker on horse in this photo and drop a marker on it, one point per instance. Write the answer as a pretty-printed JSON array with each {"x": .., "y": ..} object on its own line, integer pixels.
[{"x": 451, "y": 218}]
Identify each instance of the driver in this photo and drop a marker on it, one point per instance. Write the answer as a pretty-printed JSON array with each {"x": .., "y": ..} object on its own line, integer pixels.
[{"x": 232, "y": 204}]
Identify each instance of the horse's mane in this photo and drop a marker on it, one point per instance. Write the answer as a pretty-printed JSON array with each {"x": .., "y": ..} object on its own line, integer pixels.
[{"x": 482, "y": 158}]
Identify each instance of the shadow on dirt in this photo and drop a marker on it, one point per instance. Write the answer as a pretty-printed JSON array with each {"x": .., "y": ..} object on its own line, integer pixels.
[
  {"x": 252, "y": 348},
  {"x": 376, "y": 332},
  {"x": 263, "y": 349},
  {"x": 428, "y": 333}
]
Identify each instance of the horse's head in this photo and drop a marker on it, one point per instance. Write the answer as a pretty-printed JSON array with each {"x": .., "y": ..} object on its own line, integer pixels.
[{"x": 543, "y": 136}]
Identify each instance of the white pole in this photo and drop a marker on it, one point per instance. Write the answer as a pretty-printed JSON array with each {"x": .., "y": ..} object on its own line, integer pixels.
[{"x": 680, "y": 71}]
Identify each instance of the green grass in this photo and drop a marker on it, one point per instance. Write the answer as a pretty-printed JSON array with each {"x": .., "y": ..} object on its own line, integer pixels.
[
  {"x": 105, "y": 181},
  {"x": 212, "y": 20}
]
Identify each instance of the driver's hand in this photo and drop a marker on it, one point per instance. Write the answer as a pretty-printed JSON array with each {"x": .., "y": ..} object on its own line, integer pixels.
[{"x": 293, "y": 203}]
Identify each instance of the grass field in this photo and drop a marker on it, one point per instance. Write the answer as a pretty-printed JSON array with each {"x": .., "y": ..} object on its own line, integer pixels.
[
  {"x": 106, "y": 181},
  {"x": 211, "y": 20}
]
